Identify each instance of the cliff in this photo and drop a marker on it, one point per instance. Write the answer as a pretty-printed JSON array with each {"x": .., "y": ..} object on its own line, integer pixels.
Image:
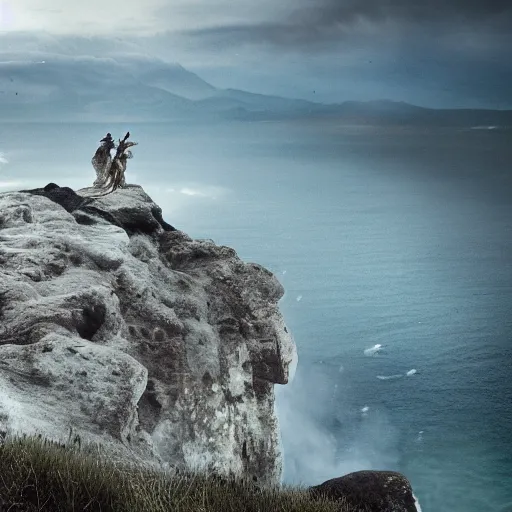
[{"x": 123, "y": 329}]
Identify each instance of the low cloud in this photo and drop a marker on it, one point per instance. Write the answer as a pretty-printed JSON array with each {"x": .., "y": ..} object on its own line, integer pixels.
[{"x": 11, "y": 185}]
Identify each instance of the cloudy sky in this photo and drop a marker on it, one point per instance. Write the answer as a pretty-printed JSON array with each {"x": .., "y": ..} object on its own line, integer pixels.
[{"x": 445, "y": 53}]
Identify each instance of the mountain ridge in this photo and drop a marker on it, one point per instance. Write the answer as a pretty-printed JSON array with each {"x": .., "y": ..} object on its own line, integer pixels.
[{"x": 43, "y": 86}]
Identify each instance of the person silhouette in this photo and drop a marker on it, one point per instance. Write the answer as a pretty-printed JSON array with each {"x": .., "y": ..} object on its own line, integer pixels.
[{"x": 102, "y": 160}]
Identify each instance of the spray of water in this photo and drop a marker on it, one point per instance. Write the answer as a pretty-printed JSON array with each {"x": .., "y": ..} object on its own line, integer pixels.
[{"x": 324, "y": 434}]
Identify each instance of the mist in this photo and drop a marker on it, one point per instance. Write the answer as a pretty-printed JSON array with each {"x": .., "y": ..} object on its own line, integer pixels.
[{"x": 309, "y": 407}]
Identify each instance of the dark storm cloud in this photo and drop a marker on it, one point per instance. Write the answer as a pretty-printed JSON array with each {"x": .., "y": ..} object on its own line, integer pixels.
[
  {"x": 265, "y": 32},
  {"x": 329, "y": 12},
  {"x": 329, "y": 20},
  {"x": 431, "y": 52}
]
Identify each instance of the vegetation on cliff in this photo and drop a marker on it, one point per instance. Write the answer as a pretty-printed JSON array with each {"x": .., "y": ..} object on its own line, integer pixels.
[{"x": 41, "y": 475}]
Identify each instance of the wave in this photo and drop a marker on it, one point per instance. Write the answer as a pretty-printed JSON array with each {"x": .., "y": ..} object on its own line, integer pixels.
[
  {"x": 3, "y": 159},
  {"x": 373, "y": 350},
  {"x": 389, "y": 377},
  {"x": 397, "y": 375}
]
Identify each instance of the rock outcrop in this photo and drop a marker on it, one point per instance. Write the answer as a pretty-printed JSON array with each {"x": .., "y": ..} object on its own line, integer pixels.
[
  {"x": 122, "y": 328},
  {"x": 374, "y": 491}
]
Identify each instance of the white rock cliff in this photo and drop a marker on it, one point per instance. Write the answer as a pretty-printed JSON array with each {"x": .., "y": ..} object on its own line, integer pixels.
[{"x": 158, "y": 347}]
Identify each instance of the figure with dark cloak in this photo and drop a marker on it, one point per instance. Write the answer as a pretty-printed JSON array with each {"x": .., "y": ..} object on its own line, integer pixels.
[
  {"x": 102, "y": 160},
  {"x": 110, "y": 171}
]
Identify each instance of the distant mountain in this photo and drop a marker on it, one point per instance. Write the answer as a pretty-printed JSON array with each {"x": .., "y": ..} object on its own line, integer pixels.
[
  {"x": 84, "y": 90},
  {"x": 88, "y": 89},
  {"x": 138, "y": 88},
  {"x": 170, "y": 77},
  {"x": 236, "y": 104},
  {"x": 177, "y": 80}
]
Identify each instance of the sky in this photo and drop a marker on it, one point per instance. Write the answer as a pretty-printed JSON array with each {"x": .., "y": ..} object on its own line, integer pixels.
[{"x": 441, "y": 53}]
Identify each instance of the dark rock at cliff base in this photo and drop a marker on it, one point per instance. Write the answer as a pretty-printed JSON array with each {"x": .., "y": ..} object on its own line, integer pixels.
[
  {"x": 146, "y": 218},
  {"x": 372, "y": 491}
]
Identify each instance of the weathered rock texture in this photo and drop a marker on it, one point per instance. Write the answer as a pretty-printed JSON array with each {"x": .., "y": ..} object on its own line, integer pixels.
[
  {"x": 114, "y": 323},
  {"x": 371, "y": 491}
]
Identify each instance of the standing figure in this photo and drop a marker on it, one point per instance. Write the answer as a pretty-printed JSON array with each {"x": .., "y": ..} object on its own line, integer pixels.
[
  {"x": 102, "y": 161},
  {"x": 116, "y": 177}
]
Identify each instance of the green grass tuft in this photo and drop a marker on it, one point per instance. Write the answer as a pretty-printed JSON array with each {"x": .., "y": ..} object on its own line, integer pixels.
[{"x": 40, "y": 475}]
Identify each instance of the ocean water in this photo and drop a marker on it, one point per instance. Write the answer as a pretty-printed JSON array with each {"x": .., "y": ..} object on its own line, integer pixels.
[{"x": 395, "y": 250}]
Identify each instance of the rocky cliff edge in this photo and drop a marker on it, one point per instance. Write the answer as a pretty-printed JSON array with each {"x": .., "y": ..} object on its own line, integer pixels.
[{"x": 123, "y": 329}]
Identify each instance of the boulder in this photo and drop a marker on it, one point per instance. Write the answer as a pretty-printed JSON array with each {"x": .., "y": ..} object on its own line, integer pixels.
[{"x": 371, "y": 491}]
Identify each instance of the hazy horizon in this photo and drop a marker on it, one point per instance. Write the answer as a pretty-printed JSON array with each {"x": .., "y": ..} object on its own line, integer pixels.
[{"x": 34, "y": 57}]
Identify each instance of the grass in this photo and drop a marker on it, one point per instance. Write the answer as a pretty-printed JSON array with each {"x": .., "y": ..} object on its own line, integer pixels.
[{"x": 41, "y": 475}]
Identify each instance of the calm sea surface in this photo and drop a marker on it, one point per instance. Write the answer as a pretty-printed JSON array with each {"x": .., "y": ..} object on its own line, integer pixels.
[{"x": 395, "y": 250}]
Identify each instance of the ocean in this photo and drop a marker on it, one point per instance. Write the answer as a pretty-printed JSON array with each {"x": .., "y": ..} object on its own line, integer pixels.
[{"x": 394, "y": 247}]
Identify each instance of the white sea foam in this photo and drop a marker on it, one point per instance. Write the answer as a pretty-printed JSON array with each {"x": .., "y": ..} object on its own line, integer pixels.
[
  {"x": 373, "y": 350},
  {"x": 389, "y": 377},
  {"x": 365, "y": 409},
  {"x": 484, "y": 127},
  {"x": 397, "y": 375},
  {"x": 3, "y": 159},
  {"x": 299, "y": 298},
  {"x": 416, "y": 504}
]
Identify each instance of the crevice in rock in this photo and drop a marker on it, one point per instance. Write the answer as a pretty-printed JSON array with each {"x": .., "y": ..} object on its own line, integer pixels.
[
  {"x": 232, "y": 399},
  {"x": 261, "y": 387},
  {"x": 159, "y": 336},
  {"x": 92, "y": 319},
  {"x": 149, "y": 407},
  {"x": 207, "y": 379},
  {"x": 83, "y": 219},
  {"x": 245, "y": 455},
  {"x": 3, "y": 303}
]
